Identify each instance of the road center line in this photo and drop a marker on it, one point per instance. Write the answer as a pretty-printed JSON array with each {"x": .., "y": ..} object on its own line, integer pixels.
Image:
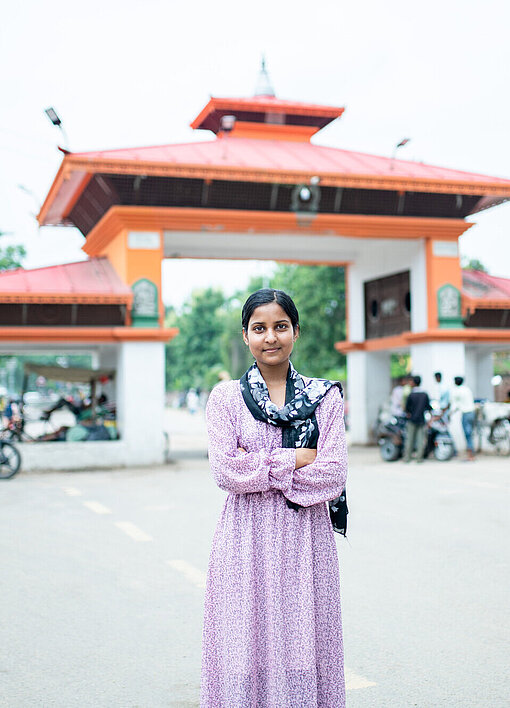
[
  {"x": 72, "y": 491},
  {"x": 133, "y": 531},
  {"x": 354, "y": 681},
  {"x": 97, "y": 507},
  {"x": 194, "y": 575}
]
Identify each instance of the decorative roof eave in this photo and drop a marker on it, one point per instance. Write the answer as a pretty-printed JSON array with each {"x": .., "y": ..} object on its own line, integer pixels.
[
  {"x": 236, "y": 220},
  {"x": 87, "y": 334},
  {"x": 480, "y": 303},
  {"x": 46, "y": 298},
  {"x": 66, "y": 189},
  {"x": 330, "y": 179},
  {"x": 266, "y": 104},
  {"x": 404, "y": 340},
  {"x": 75, "y": 171}
]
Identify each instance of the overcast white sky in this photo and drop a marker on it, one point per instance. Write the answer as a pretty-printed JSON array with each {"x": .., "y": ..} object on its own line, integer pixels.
[{"x": 123, "y": 74}]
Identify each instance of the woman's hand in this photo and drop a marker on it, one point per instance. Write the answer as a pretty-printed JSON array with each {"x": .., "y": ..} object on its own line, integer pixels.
[{"x": 305, "y": 456}]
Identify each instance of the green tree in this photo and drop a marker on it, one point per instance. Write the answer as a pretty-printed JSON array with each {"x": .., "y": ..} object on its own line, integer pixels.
[
  {"x": 197, "y": 348},
  {"x": 11, "y": 256},
  {"x": 319, "y": 294},
  {"x": 502, "y": 363},
  {"x": 236, "y": 355},
  {"x": 210, "y": 330},
  {"x": 473, "y": 264}
]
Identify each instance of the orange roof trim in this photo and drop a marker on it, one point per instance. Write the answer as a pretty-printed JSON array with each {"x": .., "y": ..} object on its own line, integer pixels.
[
  {"x": 404, "y": 340},
  {"x": 87, "y": 334}
]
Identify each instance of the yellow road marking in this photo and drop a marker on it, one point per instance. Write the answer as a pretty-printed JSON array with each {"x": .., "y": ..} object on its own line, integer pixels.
[
  {"x": 133, "y": 531},
  {"x": 194, "y": 575},
  {"x": 97, "y": 507},
  {"x": 354, "y": 681}
]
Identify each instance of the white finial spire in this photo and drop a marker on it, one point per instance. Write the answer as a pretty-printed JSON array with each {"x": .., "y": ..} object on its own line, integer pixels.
[{"x": 264, "y": 87}]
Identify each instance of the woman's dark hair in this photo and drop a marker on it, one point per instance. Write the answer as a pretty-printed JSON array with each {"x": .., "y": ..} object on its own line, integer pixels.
[
  {"x": 458, "y": 380},
  {"x": 265, "y": 296}
]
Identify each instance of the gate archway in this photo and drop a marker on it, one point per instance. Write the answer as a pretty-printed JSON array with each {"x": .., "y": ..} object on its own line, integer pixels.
[{"x": 261, "y": 189}]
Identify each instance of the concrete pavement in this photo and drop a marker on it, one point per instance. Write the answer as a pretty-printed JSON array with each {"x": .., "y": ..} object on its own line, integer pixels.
[{"x": 102, "y": 579}]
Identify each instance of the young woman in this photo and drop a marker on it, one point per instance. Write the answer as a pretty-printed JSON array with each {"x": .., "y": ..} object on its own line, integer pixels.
[{"x": 272, "y": 625}]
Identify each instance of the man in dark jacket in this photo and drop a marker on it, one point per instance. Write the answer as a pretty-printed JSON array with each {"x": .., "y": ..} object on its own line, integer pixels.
[{"x": 416, "y": 430}]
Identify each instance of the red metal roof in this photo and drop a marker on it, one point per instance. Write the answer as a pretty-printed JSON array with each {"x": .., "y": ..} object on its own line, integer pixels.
[
  {"x": 481, "y": 287},
  {"x": 278, "y": 103},
  {"x": 259, "y": 108},
  {"x": 93, "y": 281},
  {"x": 276, "y": 155}
]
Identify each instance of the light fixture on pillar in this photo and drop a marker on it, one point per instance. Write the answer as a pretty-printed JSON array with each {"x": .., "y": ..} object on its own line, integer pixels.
[
  {"x": 306, "y": 197},
  {"x": 304, "y": 194},
  {"x": 227, "y": 123}
]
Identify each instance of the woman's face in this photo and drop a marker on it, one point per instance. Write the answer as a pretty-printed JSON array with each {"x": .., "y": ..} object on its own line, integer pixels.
[{"x": 270, "y": 335}]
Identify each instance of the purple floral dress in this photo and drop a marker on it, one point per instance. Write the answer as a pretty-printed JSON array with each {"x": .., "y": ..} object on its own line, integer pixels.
[{"x": 272, "y": 624}]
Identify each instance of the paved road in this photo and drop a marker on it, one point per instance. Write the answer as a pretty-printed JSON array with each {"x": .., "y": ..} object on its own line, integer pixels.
[{"x": 102, "y": 573}]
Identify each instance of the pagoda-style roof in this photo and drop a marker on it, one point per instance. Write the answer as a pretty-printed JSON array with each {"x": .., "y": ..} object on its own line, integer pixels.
[
  {"x": 275, "y": 157},
  {"x": 259, "y": 160},
  {"x": 246, "y": 160},
  {"x": 268, "y": 112},
  {"x": 87, "y": 282}
]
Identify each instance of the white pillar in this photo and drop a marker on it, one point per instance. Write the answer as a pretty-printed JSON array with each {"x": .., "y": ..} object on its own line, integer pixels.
[
  {"x": 418, "y": 287},
  {"x": 368, "y": 386},
  {"x": 141, "y": 400},
  {"x": 355, "y": 304},
  {"x": 479, "y": 372},
  {"x": 108, "y": 358}
]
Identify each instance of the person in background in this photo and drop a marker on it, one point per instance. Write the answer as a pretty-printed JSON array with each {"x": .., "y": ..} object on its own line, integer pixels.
[
  {"x": 396, "y": 407},
  {"x": 442, "y": 393},
  {"x": 442, "y": 396},
  {"x": 406, "y": 390},
  {"x": 461, "y": 399},
  {"x": 416, "y": 406},
  {"x": 192, "y": 401}
]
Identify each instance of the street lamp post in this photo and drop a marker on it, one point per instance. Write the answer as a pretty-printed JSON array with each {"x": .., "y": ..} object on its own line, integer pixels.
[
  {"x": 400, "y": 144},
  {"x": 54, "y": 117}
]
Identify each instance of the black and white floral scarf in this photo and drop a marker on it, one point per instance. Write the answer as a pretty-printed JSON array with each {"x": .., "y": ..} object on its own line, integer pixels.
[{"x": 296, "y": 418}]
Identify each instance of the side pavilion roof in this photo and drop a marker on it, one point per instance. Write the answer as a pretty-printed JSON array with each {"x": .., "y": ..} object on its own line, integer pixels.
[
  {"x": 87, "y": 282},
  {"x": 481, "y": 290}
]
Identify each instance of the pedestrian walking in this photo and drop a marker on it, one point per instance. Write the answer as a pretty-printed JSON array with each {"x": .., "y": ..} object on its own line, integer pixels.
[
  {"x": 461, "y": 399},
  {"x": 416, "y": 429},
  {"x": 272, "y": 622},
  {"x": 192, "y": 401}
]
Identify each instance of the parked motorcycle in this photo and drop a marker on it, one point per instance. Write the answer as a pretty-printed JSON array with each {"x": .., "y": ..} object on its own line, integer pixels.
[
  {"x": 392, "y": 433},
  {"x": 10, "y": 460}
]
